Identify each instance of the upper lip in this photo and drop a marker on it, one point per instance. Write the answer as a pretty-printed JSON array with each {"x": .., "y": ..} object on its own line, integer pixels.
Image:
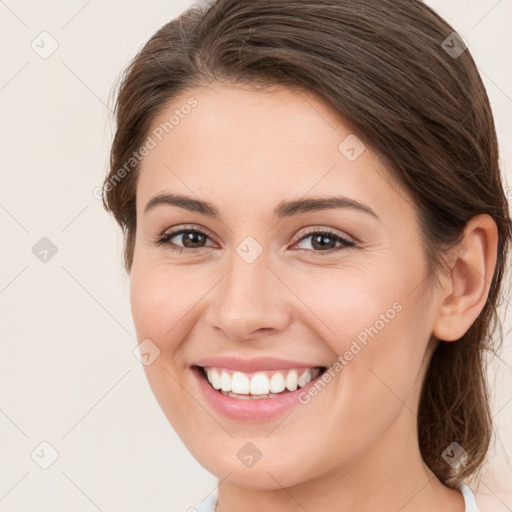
[{"x": 252, "y": 365}]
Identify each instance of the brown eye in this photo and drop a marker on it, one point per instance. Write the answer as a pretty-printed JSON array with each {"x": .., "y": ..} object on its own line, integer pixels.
[
  {"x": 326, "y": 242},
  {"x": 190, "y": 239}
]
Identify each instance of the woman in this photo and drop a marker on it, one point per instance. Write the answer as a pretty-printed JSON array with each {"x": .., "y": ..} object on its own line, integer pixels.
[{"x": 316, "y": 236}]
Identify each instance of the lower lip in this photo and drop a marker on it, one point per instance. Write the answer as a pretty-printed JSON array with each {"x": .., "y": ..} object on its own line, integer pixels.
[{"x": 250, "y": 410}]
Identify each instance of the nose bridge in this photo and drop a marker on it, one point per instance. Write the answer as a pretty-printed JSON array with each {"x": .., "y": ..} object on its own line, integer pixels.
[{"x": 250, "y": 297}]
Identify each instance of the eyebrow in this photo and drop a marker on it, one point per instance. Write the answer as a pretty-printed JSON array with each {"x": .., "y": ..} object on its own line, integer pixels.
[{"x": 284, "y": 209}]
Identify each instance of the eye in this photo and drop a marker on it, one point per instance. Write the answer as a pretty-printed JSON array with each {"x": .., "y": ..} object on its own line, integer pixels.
[
  {"x": 191, "y": 239},
  {"x": 324, "y": 242}
]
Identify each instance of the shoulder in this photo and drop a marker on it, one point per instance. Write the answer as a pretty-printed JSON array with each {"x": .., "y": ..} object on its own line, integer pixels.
[{"x": 490, "y": 503}]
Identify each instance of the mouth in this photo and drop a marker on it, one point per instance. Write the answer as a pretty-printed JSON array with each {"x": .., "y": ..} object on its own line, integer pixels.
[{"x": 264, "y": 384}]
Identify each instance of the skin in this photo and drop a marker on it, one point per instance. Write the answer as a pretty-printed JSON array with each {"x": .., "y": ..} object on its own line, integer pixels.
[{"x": 354, "y": 447}]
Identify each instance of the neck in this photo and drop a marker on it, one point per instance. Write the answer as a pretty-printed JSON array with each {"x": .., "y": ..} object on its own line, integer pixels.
[{"x": 389, "y": 476}]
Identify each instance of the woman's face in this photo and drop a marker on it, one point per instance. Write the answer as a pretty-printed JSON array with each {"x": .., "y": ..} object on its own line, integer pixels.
[{"x": 265, "y": 281}]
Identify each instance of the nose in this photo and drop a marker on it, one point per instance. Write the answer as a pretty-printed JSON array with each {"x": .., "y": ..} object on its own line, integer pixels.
[{"x": 249, "y": 302}]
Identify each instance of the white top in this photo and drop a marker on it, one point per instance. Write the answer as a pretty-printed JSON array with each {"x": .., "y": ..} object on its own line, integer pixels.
[{"x": 208, "y": 505}]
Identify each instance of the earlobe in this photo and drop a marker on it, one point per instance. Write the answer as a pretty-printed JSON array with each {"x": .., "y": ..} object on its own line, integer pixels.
[{"x": 468, "y": 284}]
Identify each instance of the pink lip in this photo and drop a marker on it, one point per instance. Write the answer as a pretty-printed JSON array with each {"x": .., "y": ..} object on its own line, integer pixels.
[
  {"x": 252, "y": 365},
  {"x": 249, "y": 410}
]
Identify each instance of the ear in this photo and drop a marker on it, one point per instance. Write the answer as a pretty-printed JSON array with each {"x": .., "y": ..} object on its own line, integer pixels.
[{"x": 465, "y": 290}]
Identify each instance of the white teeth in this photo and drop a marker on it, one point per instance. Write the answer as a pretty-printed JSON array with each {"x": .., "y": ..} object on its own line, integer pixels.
[
  {"x": 304, "y": 378},
  {"x": 291, "y": 380},
  {"x": 277, "y": 383},
  {"x": 239, "y": 383},
  {"x": 214, "y": 378},
  {"x": 259, "y": 384},
  {"x": 225, "y": 382}
]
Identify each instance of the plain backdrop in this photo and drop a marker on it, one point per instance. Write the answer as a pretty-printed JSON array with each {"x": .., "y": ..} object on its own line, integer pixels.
[{"x": 69, "y": 377}]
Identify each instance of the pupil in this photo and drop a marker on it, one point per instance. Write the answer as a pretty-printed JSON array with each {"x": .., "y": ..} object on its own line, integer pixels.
[
  {"x": 316, "y": 240},
  {"x": 192, "y": 237}
]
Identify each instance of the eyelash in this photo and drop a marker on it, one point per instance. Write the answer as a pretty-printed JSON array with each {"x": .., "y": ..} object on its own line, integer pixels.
[{"x": 165, "y": 240}]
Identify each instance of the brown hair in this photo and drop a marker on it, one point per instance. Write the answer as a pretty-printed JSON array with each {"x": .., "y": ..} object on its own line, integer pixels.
[{"x": 384, "y": 65}]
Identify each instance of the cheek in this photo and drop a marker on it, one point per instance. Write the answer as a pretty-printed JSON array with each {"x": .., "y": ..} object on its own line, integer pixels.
[
  {"x": 348, "y": 304},
  {"x": 376, "y": 326},
  {"x": 161, "y": 300}
]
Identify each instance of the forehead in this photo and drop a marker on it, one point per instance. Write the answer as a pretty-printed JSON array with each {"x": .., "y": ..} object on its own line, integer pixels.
[{"x": 258, "y": 147}]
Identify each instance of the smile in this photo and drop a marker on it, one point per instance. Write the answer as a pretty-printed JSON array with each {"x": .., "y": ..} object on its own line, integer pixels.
[{"x": 253, "y": 390}]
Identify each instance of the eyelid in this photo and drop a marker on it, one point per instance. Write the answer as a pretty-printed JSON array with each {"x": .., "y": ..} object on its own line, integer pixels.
[
  {"x": 186, "y": 227},
  {"x": 310, "y": 230}
]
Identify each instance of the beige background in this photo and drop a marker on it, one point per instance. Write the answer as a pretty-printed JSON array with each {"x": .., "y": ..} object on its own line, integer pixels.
[{"x": 68, "y": 374}]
